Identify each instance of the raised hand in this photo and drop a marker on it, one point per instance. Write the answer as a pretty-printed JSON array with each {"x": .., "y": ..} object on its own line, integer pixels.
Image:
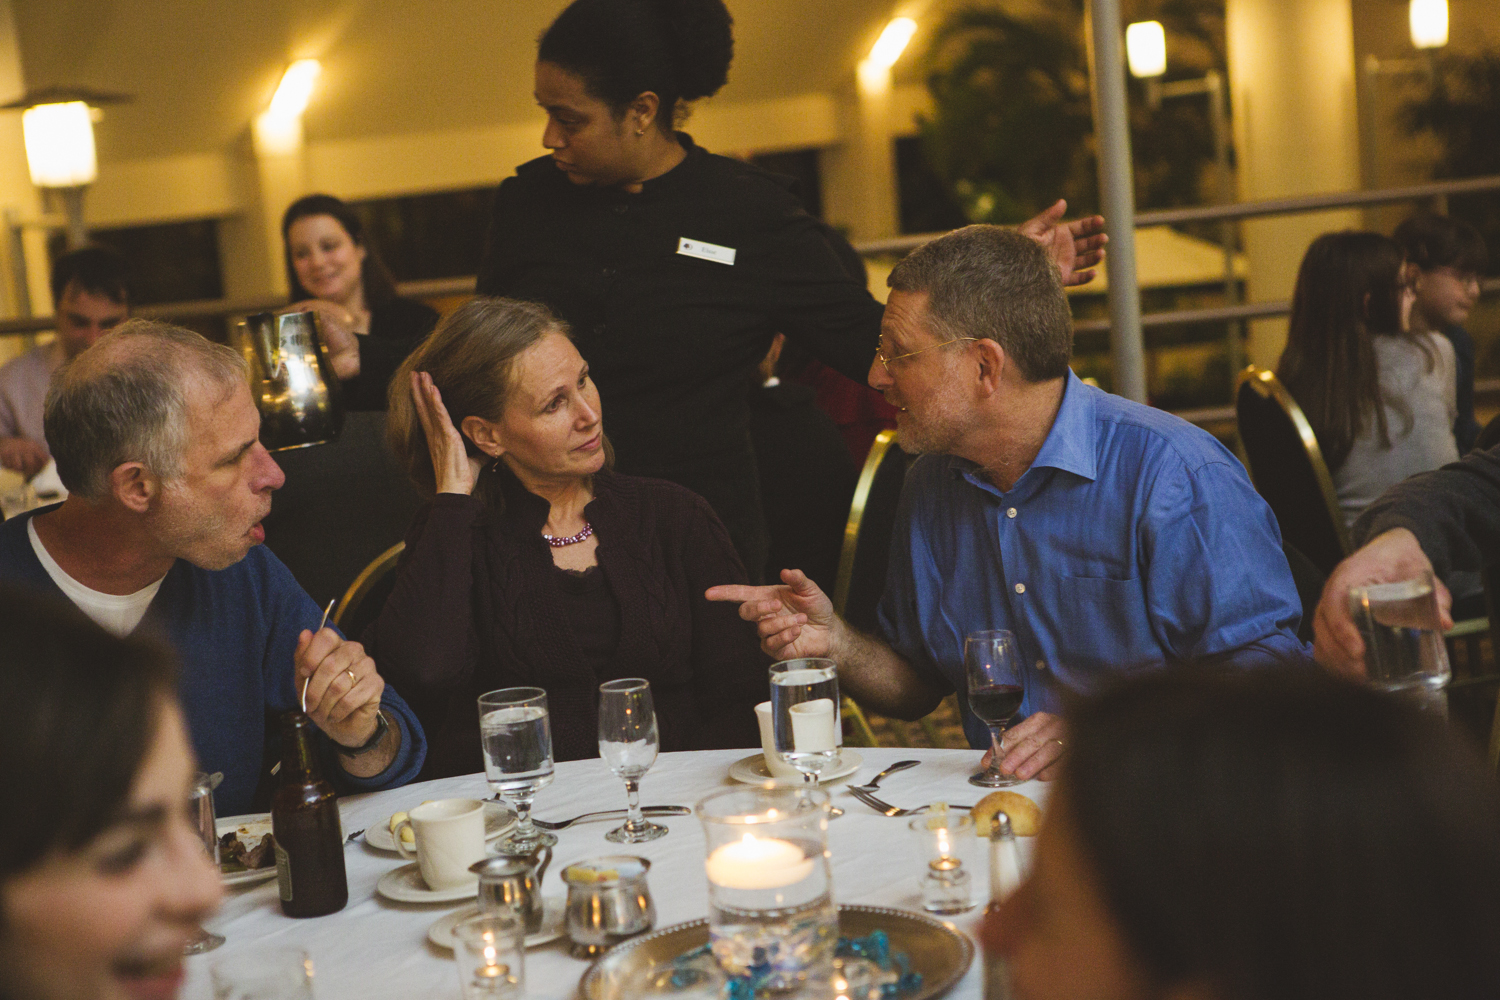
[
  {"x": 1076, "y": 247},
  {"x": 454, "y": 470},
  {"x": 794, "y": 620},
  {"x": 1386, "y": 558},
  {"x": 343, "y": 687}
]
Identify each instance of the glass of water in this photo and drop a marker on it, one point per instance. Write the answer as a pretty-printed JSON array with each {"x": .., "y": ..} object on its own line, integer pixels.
[
  {"x": 805, "y": 714},
  {"x": 628, "y": 742},
  {"x": 517, "y": 738},
  {"x": 202, "y": 804},
  {"x": 1403, "y": 634},
  {"x": 275, "y": 973}
]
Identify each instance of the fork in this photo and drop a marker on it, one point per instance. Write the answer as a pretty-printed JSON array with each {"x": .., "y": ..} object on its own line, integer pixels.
[
  {"x": 873, "y": 783},
  {"x": 881, "y": 806},
  {"x": 612, "y": 814}
]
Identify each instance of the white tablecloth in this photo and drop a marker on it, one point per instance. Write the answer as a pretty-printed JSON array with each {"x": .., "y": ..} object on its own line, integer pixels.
[{"x": 374, "y": 948}]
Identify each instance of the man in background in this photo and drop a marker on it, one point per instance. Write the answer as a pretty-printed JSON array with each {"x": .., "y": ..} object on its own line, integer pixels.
[{"x": 90, "y": 298}]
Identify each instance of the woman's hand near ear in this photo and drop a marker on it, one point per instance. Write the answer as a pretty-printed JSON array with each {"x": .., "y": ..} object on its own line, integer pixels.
[{"x": 453, "y": 468}]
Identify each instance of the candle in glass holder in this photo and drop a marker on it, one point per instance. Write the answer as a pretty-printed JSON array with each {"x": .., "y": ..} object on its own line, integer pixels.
[
  {"x": 771, "y": 915},
  {"x": 491, "y": 956}
]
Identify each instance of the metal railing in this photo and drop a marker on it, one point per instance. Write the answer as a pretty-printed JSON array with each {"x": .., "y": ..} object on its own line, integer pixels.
[{"x": 1235, "y": 313}]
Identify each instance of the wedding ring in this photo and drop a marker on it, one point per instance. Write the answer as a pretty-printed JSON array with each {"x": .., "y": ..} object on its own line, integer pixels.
[
  {"x": 355, "y": 680},
  {"x": 1059, "y": 743}
]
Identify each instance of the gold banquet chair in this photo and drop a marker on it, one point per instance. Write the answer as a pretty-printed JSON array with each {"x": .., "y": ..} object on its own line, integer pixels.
[
  {"x": 865, "y": 554},
  {"x": 363, "y": 601}
]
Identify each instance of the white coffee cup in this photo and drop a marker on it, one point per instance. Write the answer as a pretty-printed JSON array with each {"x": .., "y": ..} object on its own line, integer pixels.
[
  {"x": 449, "y": 835},
  {"x": 775, "y": 763}
]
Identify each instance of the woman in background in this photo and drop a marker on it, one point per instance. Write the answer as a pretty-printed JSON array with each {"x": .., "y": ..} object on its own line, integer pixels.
[
  {"x": 536, "y": 564},
  {"x": 1259, "y": 835},
  {"x": 103, "y": 878},
  {"x": 1380, "y": 398},
  {"x": 368, "y": 329}
]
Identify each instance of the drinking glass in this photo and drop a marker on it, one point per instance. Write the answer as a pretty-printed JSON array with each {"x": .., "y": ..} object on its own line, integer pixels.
[
  {"x": 628, "y": 742},
  {"x": 995, "y": 695},
  {"x": 202, "y": 800},
  {"x": 805, "y": 714},
  {"x": 517, "y": 738},
  {"x": 1399, "y": 622},
  {"x": 263, "y": 974}
]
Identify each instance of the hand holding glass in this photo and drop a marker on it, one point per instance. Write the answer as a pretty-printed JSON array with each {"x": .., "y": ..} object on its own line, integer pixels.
[
  {"x": 517, "y": 737},
  {"x": 628, "y": 742},
  {"x": 995, "y": 695},
  {"x": 805, "y": 714},
  {"x": 1403, "y": 634}
]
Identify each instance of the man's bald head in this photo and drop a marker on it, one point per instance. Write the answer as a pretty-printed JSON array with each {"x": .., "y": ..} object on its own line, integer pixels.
[{"x": 125, "y": 400}]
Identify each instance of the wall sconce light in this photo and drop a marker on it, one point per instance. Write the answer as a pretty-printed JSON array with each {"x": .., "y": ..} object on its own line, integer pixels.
[{"x": 892, "y": 42}]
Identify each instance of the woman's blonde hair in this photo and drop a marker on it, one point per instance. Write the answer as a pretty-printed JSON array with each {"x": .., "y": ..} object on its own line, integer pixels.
[{"x": 471, "y": 357}]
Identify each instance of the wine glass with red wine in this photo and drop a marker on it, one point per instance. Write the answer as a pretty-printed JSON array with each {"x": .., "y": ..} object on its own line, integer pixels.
[{"x": 991, "y": 662}]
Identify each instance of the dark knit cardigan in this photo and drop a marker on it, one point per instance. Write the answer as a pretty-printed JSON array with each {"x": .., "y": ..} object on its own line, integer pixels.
[{"x": 477, "y": 606}]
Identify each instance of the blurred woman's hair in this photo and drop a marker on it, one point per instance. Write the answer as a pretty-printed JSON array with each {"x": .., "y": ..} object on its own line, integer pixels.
[
  {"x": 1282, "y": 834},
  {"x": 82, "y": 707},
  {"x": 1349, "y": 291},
  {"x": 379, "y": 286},
  {"x": 471, "y": 357}
]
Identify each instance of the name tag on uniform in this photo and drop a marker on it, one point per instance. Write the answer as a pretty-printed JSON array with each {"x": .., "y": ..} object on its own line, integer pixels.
[{"x": 705, "y": 251}]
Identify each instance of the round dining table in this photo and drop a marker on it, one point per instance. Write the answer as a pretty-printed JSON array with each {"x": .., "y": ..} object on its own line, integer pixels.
[{"x": 375, "y": 948}]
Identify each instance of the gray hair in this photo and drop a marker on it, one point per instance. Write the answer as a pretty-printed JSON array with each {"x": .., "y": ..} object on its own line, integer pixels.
[
  {"x": 996, "y": 284},
  {"x": 123, "y": 400}
]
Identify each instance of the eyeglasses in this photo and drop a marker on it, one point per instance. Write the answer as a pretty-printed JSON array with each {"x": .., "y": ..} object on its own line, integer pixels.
[{"x": 886, "y": 362}]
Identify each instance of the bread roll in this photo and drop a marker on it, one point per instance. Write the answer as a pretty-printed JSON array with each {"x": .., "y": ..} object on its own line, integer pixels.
[{"x": 1025, "y": 815}]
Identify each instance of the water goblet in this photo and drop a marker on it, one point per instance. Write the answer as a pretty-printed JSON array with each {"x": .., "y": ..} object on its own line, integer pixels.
[
  {"x": 995, "y": 693},
  {"x": 202, "y": 804},
  {"x": 516, "y": 734},
  {"x": 805, "y": 714},
  {"x": 628, "y": 742}
]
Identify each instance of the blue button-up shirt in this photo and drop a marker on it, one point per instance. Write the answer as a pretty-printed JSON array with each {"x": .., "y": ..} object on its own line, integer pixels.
[{"x": 1134, "y": 540}]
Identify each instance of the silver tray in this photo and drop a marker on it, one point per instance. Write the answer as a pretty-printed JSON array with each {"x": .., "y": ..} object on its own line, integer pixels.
[{"x": 940, "y": 953}]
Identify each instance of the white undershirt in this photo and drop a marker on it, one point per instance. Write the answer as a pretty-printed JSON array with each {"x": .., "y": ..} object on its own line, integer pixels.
[{"x": 115, "y": 613}]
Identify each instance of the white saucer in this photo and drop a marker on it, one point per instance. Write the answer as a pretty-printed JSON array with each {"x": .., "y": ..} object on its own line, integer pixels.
[
  {"x": 405, "y": 885},
  {"x": 554, "y": 909},
  {"x": 752, "y": 770},
  {"x": 251, "y": 828},
  {"x": 498, "y": 819}
]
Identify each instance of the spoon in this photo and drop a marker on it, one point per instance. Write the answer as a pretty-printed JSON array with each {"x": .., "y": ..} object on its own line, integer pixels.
[{"x": 873, "y": 783}]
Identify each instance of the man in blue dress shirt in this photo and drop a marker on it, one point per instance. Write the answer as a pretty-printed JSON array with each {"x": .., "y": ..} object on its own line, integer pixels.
[{"x": 1108, "y": 536}]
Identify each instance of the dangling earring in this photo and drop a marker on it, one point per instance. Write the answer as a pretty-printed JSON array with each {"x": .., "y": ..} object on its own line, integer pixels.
[{"x": 641, "y": 130}]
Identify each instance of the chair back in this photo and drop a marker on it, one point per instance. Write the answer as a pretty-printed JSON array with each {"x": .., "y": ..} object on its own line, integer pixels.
[
  {"x": 1287, "y": 467},
  {"x": 1489, "y": 435},
  {"x": 867, "y": 533},
  {"x": 366, "y": 596}
]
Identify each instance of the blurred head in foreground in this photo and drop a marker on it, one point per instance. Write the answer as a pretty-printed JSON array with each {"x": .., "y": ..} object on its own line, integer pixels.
[
  {"x": 103, "y": 879},
  {"x": 1257, "y": 835}
]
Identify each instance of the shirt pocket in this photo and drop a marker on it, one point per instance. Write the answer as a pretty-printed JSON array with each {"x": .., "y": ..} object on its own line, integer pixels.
[{"x": 1102, "y": 626}]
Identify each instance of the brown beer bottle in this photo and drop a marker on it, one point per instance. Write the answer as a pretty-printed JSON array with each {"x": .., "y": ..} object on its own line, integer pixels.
[{"x": 305, "y": 822}]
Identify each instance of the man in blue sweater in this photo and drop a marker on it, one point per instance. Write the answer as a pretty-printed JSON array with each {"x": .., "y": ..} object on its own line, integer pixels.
[{"x": 156, "y": 438}]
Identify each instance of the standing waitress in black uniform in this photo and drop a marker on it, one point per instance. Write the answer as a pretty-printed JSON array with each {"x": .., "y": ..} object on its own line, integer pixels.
[{"x": 673, "y": 266}]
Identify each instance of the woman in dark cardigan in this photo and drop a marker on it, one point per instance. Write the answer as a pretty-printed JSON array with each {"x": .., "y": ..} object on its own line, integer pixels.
[{"x": 535, "y": 564}]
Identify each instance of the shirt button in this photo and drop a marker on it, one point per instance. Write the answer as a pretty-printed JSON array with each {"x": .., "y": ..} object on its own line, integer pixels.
[
  {"x": 1011, "y": 512},
  {"x": 1041, "y": 664},
  {"x": 609, "y": 272},
  {"x": 1020, "y": 588}
]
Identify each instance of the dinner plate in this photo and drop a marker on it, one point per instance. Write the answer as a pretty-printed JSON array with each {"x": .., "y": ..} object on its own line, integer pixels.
[
  {"x": 752, "y": 770},
  {"x": 554, "y": 909},
  {"x": 406, "y": 885},
  {"x": 497, "y": 820},
  {"x": 642, "y": 967},
  {"x": 251, "y": 828}
]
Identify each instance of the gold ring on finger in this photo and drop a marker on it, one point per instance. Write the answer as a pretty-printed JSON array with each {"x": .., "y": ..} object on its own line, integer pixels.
[
  {"x": 355, "y": 680},
  {"x": 1059, "y": 743}
]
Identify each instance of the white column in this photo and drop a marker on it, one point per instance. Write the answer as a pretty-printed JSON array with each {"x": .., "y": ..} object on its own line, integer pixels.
[
  {"x": 1292, "y": 81},
  {"x": 860, "y": 180},
  {"x": 274, "y": 176},
  {"x": 18, "y": 197}
]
